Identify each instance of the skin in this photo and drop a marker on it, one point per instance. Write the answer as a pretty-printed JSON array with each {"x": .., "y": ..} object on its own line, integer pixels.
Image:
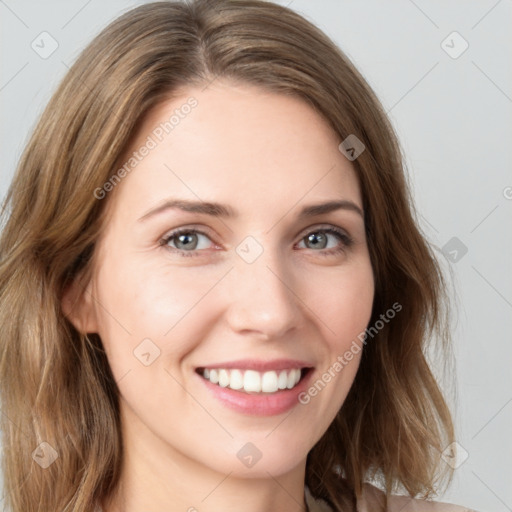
[{"x": 267, "y": 156}]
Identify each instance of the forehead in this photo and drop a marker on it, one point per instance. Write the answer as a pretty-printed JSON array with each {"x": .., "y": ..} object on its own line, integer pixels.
[{"x": 239, "y": 145}]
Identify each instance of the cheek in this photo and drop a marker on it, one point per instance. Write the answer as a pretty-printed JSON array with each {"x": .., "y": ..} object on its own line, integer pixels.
[
  {"x": 139, "y": 301},
  {"x": 343, "y": 304}
]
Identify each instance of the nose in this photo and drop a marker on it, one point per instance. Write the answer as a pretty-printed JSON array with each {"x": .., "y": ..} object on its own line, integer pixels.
[{"x": 264, "y": 299}]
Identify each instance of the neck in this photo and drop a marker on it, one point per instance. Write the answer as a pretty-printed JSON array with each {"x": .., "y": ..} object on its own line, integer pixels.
[{"x": 159, "y": 478}]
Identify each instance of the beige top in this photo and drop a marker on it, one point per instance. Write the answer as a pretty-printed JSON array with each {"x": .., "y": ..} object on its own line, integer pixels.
[{"x": 372, "y": 500}]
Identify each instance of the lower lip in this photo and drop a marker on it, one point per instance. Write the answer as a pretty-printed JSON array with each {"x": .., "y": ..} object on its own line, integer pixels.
[{"x": 261, "y": 404}]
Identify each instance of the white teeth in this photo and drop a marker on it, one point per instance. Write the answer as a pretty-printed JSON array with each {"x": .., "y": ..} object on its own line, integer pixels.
[
  {"x": 223, "y": 378},
  {"x": 237, "y": 379},
  {"x": 252, "y": 381},
  {"x": 269, "y": 382},
  {"x": 214, "y": 376},
  {"x": 283, "y": 379},
  {"x": 291, "y": 380}
]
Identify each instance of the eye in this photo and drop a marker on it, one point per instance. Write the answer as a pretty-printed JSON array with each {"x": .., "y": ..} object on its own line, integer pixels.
[
  {"x": 185, "y": 240},
  {"x": 191, "y": 242},
  {"x": 319, "y": 240}
]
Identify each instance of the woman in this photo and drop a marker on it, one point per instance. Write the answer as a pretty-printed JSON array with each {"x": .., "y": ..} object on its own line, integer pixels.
[{"x": 214, "y": 295}]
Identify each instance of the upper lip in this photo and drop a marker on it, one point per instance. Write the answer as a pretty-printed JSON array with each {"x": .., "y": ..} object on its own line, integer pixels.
[{"x": 260, "y": 365}]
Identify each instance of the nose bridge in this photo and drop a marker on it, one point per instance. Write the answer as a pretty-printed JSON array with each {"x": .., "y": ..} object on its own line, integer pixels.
[{"x": 262, "y": 293}]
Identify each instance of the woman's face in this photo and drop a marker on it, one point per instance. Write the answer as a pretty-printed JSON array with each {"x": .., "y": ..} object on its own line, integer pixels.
[{"x": 254, "y": 288}]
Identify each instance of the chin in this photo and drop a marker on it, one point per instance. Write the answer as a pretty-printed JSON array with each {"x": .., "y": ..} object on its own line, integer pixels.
[{"x": 271, "y": 452}]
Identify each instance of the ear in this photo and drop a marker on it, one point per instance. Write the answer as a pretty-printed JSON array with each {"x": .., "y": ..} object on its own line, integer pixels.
[{"x": 78, "y": 305}]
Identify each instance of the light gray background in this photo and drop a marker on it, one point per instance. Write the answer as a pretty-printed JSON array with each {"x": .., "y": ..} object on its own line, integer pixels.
[{"x": 453, "y": 116}]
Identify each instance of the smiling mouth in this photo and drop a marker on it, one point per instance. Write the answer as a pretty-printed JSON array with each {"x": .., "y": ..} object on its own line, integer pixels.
[{"x": 252, "y": 381}]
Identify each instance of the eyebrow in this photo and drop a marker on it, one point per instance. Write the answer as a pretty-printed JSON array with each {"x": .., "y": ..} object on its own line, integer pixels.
[{"x": 226, "y": 211}]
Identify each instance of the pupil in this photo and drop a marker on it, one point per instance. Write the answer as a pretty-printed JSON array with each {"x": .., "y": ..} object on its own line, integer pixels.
[
  {"x": 317, "y": 240},
  {"x": 185, "y": 239}
]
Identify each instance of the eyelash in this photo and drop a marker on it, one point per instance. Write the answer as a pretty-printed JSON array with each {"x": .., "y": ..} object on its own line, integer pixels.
[{"x": 346, "y": 240}]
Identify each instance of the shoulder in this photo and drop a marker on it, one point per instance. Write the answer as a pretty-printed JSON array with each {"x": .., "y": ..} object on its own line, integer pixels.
[{"x": 374, "y": 499}]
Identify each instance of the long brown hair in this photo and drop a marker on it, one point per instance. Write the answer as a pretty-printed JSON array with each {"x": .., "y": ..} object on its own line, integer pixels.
[{"x": 56, "y": 384}]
